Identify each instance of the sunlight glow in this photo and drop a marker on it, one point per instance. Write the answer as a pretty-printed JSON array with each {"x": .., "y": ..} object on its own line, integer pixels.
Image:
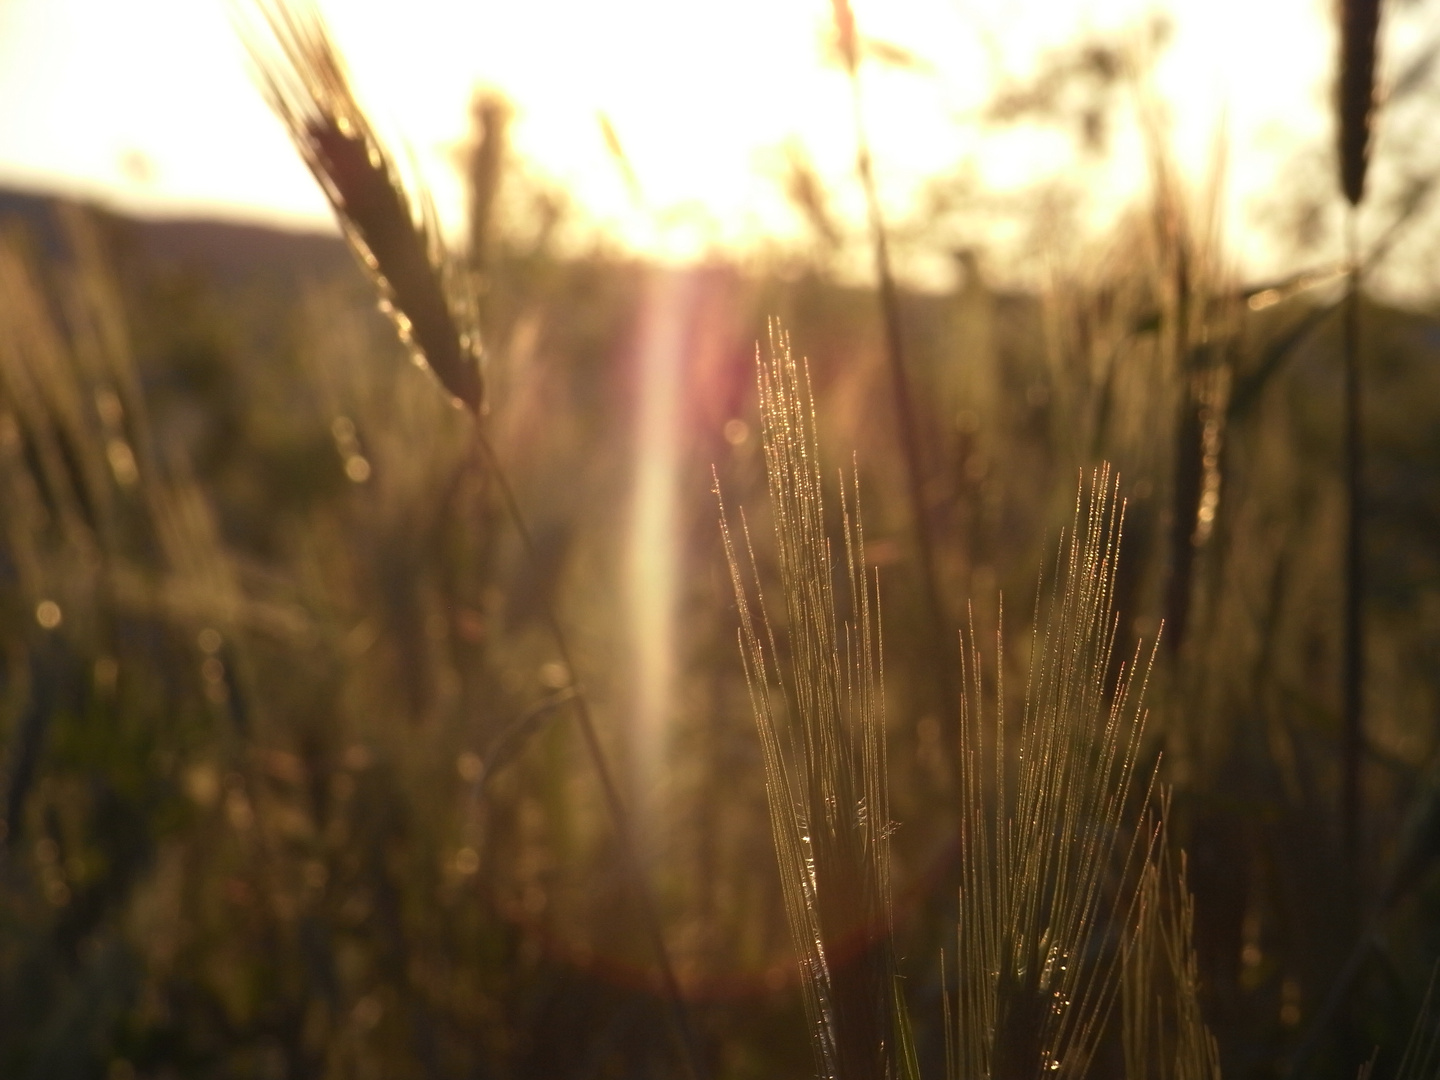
[
  {"x": 150, "y": 105},
  {"x": 653, "y": 555}
]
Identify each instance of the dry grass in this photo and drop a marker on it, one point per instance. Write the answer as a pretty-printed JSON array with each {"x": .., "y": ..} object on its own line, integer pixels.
[
  {"x": 1067, "y": 893},
  {"x": 1051, "y": 861},
  {"x": 1164, "y": 1032},
  {"x": 305, "y": 82},
  {"x": 819, "y": 708}
]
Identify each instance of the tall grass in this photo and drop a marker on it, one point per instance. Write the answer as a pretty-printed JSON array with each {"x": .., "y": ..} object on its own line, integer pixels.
[
  {"x": 1164, "y": 1033},
  {"x": 1052, "y": 860},
  {"x": 282, "y": 797},
  {"x": 305, "y": 82},
  {"x": 820, "y": 713},
  {"x": 1355, "y": 102},
  {"x": 1067, "y": 891}
]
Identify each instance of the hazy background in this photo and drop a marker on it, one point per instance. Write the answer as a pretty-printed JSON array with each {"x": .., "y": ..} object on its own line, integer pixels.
[{"x": 149, "y": 106}]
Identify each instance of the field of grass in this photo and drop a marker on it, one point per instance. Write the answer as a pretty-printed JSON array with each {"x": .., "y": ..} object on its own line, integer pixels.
[{"x": 1054, "y": 689}]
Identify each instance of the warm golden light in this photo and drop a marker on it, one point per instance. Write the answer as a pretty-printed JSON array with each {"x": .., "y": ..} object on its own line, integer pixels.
[
  {"x": 151, "y": 104},
  {"x": 658, "y": 375}
]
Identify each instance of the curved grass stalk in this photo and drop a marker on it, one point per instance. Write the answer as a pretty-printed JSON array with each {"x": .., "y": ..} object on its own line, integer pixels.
[{"x": 304, "y": 80}]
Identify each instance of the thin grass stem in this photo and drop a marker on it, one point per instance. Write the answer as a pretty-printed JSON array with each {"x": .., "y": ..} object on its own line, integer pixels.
[{"x": 305, "y": 82}]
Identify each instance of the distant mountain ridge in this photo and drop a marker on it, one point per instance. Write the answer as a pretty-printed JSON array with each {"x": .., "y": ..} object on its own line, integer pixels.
[{"x": 227, "y": 252}]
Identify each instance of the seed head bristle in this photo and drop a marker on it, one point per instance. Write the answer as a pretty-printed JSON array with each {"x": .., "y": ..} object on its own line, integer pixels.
[
  {"x": 1164, "y": 1034},
  {"x": 304, "y": 80},
  {"x": 1050, "y": 861},
  {"x": 820, "y": 718}
]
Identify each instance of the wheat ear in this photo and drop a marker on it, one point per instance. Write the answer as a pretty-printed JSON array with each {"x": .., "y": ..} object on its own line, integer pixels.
[
  {"x": 1355, "y": 92},
  {"x": 821, "y": 721},
  {"x": 1051, "y": 860},
  {"x": 304, "y": 80}
]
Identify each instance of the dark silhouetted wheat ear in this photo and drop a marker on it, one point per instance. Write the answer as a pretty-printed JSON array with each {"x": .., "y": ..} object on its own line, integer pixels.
[
  {"x": 304, "y": 80},
  {"x": 1355, "y": 104}
]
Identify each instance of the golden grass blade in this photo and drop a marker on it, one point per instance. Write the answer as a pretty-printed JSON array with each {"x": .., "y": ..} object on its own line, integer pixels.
[{"x": 305, "y": 82}]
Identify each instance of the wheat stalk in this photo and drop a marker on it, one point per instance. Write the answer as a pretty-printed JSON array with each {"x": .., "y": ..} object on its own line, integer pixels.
[
  {"x": 1051, "y": 867},
  {"x": 1355, "y": 101},
  {"x": 821, "y": 721},
  {"x": 304, "y": 79},
  {"x": 907, "y": 421},
  {"x": 305, "y": 82},
  {"x": 1355, "y": 93}
]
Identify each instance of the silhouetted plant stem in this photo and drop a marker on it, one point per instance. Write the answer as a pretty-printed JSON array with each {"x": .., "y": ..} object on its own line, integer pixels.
[
  {"x": 1355, "y": 109},
  {"x": 1353, "y": 731},
  {"x": 677, "y": 1015},
  {"x": 1355, "y": 103},
  {"x": 305, "y": 82},
  {"x": 1187, "y": 483},
  {"x": 907, "y": 428}
]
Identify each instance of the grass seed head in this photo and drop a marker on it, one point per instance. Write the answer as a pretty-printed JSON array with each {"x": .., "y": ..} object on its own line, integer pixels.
[
  {"x": 1355, "y": 92},
  {"x": 820, "y": 717},
  {"x": 1051, "y": 857},
  {"x": 305, "y": 82}
]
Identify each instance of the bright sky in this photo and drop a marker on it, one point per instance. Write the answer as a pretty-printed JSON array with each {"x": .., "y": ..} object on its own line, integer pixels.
[{"x": 703, "y": 96}]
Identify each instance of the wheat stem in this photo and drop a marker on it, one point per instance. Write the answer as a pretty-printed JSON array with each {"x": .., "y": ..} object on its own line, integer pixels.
[
  {"x": 308, "y": 88},
  {"x": 907, "y": 424},
  {"x": 1353, "y": 732}
]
